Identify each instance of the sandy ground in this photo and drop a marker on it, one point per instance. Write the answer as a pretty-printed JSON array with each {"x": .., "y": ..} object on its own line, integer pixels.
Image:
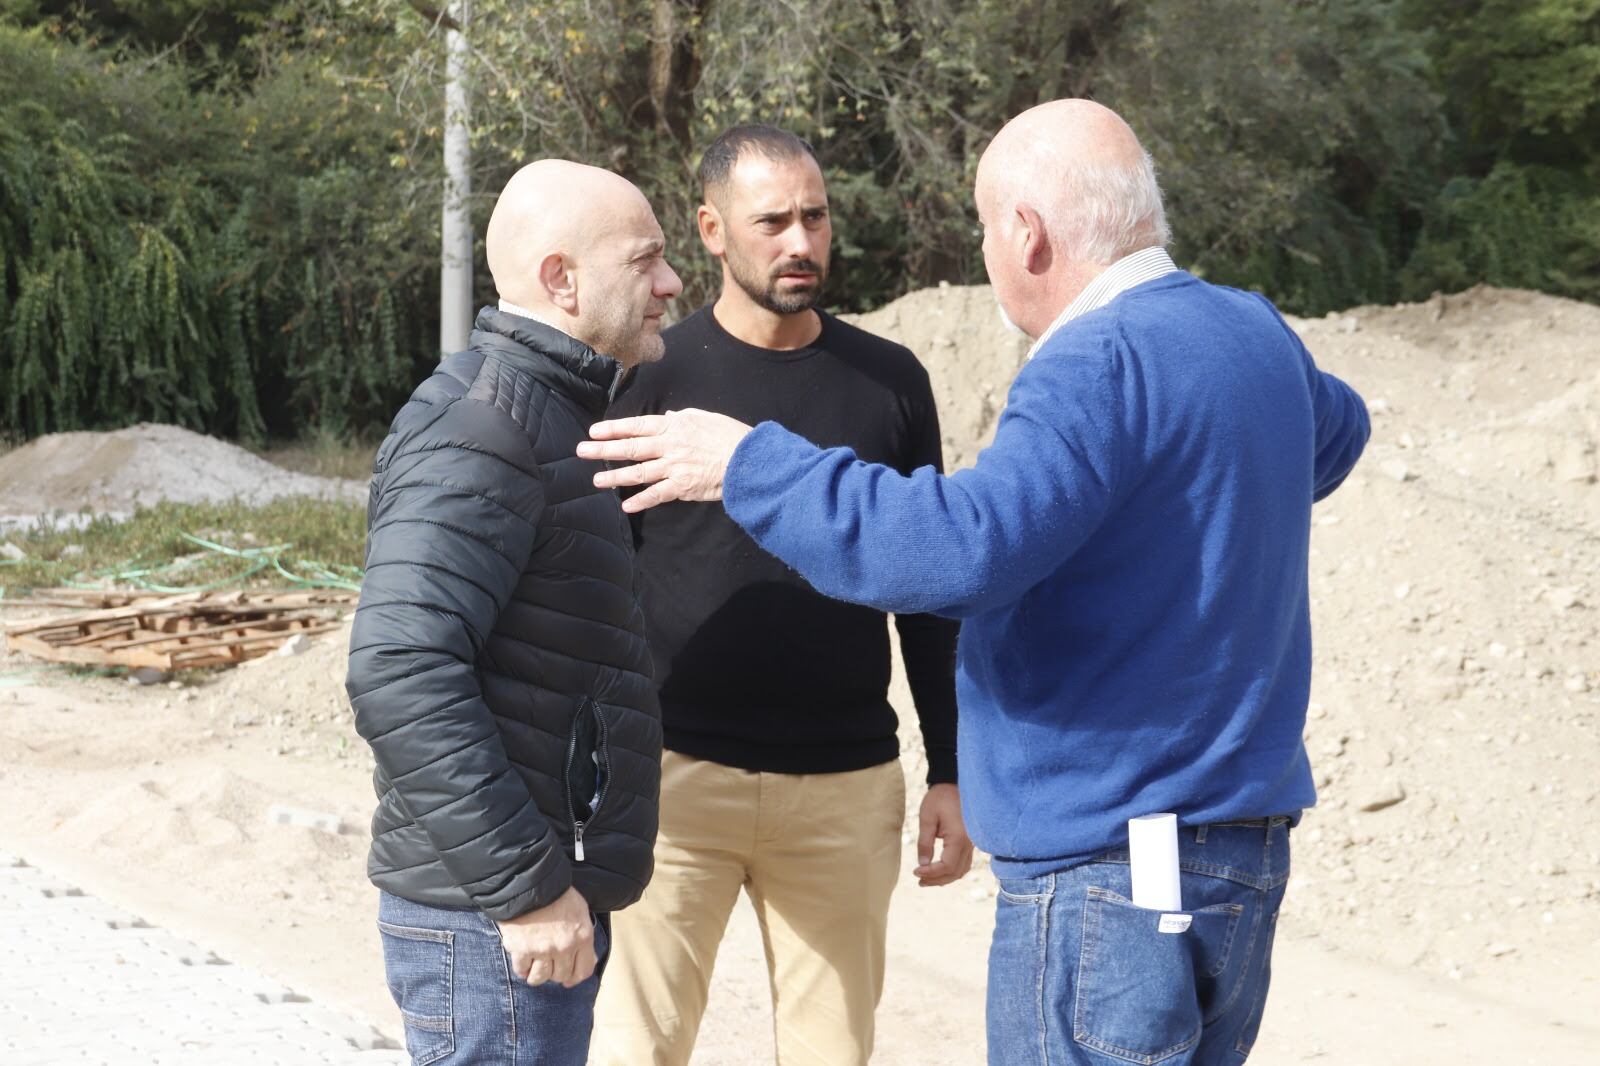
[
  {"x": 1445, "y": 905},
  {"x": 156, "y": 804}
]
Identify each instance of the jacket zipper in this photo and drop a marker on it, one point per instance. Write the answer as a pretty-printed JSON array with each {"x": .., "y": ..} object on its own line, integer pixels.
[{"x": 578, "y": 824}]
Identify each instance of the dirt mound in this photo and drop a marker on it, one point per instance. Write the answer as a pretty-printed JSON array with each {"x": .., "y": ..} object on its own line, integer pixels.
[
  {"x": 70, "y": 473},
  {"x": 299, "y": 700},
  {"x": 971, "y": 356}
]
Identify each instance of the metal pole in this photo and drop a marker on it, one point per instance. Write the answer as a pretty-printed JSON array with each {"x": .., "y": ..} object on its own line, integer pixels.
[{"x": 455, "y": 273}]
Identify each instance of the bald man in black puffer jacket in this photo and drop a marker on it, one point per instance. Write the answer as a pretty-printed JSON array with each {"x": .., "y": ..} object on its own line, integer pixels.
[{"x": 498, "y": 665}]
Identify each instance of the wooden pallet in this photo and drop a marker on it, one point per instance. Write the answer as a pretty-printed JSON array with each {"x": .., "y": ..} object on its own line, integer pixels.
[{"x": 181, "y": 632}]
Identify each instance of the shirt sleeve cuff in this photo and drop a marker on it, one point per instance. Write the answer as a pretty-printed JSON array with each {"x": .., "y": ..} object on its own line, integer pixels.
[{"x": 941, "y": 766}]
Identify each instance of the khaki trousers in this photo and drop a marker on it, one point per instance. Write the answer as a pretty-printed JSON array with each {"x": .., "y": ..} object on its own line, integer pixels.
[{"x": 818, "y": 854}]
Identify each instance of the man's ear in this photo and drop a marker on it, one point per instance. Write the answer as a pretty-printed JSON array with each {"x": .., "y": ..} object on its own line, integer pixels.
[
  {"x": 1033, "y": 242},
  {"x": 709, "y": 219},
  {"x": 559, "y": 282}
]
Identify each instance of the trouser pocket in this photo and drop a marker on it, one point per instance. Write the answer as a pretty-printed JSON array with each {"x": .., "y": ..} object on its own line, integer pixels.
[
  {"x": 420, "y": 967},
  {"x": 1146, "y": 976}
]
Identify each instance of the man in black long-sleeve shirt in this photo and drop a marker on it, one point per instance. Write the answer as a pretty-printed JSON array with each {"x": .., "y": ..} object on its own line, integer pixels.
[{"x": 781, "y": 773}]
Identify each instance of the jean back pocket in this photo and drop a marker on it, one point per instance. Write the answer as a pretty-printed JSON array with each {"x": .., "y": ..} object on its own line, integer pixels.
[
  {"x": 1144, "y": 984},
  {"x": 420, "y": 967}
]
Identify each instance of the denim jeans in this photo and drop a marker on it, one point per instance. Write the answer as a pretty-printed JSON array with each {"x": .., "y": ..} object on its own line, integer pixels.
[
  {"x": 461, "y": 1002},
  {"x": 1079, "y": 975}
]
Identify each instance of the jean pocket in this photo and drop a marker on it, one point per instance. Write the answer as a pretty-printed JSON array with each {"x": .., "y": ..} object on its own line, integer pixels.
[
  {"x": 1144, "y": 976},
  {"x": 1023, "y": 890},
  {"x": 420, "y": 966}
]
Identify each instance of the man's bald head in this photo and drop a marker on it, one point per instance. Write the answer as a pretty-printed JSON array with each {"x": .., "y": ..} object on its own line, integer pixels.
[
  {"x": 581, "y": 249},
  {"x": 1082, "y": 169},
  {"x": 554, "y": 206}
]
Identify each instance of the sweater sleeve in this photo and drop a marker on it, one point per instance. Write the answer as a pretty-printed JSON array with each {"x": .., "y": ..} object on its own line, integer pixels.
[
  {"x": 928, "y": 642},
  {"x": 1342, "y": 430},
  {"x": 452, "y": 527},
  {"x": 1342, "y": 425},
  {"x": 959, "y": 545}
]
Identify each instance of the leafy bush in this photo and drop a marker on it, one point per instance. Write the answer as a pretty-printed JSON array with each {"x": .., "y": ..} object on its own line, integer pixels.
[{"x": 212, "y": 258}]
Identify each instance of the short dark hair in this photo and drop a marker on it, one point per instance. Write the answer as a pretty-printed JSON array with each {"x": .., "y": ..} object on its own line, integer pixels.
[{"x": 722, "y": 154}]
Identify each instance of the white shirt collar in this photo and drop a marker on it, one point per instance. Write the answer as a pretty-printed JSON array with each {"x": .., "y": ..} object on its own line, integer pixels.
[
  {"x": 1147, "y": 264},
  {"x": 522, "y": 312}
]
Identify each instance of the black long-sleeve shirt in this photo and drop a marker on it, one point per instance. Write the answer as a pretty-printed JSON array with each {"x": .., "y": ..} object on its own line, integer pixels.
[{"x": 757, "y": 669}]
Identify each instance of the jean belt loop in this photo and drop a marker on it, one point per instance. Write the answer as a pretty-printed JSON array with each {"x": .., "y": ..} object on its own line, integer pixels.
[{"x": 1200, "y": 834}]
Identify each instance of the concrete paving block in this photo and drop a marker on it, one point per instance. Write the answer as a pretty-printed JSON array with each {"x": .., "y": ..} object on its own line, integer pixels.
[
  {"x": 128, "y": 922},
  {"x": 358, "y": 1035},
  {"x": 82, "y": 982},
  {"x": 175, "y": 947},
  {"x": 282, "y": 814}
]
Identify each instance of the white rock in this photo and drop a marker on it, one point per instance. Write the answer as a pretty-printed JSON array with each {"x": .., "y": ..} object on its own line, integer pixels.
[
  {"x": 10, "y": 551},
  {"x": 1396, "y": 470},
  {"x": 294, "y": 645},
  {"x": 1383, "y": 797},
  {"x": 1564, "y": 598},
  {"x": 282, "y": 814},
  {"x": 1500, "y": 949}
]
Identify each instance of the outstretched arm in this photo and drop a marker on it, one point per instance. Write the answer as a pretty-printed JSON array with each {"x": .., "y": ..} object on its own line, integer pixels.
[{"x": 865, "y": 533}]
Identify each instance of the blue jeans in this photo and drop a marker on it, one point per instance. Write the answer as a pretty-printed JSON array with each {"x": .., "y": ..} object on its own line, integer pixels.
[
  {"x": 460, "y": 1000},
  {"x": 1078, "y": 975}
]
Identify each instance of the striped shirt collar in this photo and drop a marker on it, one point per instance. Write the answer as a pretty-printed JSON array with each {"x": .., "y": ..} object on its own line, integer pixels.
[{"x": 1144, "y": 265}]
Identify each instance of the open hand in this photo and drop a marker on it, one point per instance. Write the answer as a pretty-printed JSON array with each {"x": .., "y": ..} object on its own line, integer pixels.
[{"x": 681, "y": 455}]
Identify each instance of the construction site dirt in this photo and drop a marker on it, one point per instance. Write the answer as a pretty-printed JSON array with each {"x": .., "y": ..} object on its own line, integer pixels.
[{"x": 1445, "y": 902}]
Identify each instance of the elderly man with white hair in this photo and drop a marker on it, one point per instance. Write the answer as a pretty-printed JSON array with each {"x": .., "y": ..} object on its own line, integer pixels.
[{"x": 1129, "y": 562}]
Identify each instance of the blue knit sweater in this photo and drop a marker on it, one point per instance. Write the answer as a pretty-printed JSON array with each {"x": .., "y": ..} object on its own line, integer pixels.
[{"x": 1128, "y": 559}]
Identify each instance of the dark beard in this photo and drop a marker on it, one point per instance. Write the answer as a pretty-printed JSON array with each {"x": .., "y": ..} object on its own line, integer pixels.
[{"x": 764, "y": 291}]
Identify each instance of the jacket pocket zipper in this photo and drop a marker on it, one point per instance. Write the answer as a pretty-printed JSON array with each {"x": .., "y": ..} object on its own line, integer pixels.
[{"x": 602, "y": 757}]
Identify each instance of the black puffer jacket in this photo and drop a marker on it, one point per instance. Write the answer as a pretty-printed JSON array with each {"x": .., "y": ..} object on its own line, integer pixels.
[{"x": 498, "y": 664}]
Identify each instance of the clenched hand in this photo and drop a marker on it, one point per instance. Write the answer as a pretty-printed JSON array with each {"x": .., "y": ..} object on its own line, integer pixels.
[
  {"x": 553, "y": 943},
  {"x": 940, "y": 819}
]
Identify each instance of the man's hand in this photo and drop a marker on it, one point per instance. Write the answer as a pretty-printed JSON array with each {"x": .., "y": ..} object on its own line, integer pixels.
[
  {"x": 681, "y": 455},
  {"x": 940, "y": 819},
  {"x": 553, "y": 943}
]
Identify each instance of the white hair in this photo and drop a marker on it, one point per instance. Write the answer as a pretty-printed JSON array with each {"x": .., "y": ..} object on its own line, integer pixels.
[{"x": 1097, "y": 212}]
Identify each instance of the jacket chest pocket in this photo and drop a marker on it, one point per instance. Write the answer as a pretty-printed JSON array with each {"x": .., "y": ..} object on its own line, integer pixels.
[{"x": 587, "y": 774}]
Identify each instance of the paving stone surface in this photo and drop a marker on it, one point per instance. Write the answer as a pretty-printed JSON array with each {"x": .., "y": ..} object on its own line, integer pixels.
[{"x": 82, "y": 982}]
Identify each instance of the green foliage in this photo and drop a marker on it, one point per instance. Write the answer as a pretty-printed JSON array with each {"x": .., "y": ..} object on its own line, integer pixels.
[
  {"x": 1528, "y": 227},
  {"x": 311, "y": 533},
  {"x": 215, "y": 259},
  {"x": 225, "y": 215},
  {"x": 1521, "y": 203}
]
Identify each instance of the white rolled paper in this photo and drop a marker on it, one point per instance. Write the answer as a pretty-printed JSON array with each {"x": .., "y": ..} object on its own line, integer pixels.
[{"x": 1153, "y": 860}]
